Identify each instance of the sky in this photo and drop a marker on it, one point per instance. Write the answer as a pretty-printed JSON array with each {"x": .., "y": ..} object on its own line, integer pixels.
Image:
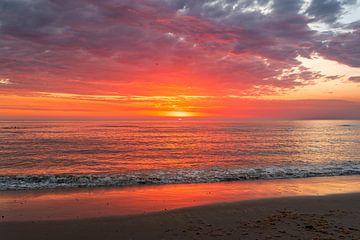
[{"x": 88, "y": 59}]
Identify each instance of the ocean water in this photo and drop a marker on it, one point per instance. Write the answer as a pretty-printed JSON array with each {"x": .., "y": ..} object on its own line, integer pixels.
[{"x": 38, "y": 155}]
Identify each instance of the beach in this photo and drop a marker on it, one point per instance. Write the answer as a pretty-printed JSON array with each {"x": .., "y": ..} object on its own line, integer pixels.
[
  {"x": 321, "y": 217},
  {"x": 312, "y": 208}
]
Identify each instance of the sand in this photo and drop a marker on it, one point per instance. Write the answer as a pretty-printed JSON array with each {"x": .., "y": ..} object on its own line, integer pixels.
[
  {"x": 62, "y": 204},
  {"x": 322, "y": 217}
]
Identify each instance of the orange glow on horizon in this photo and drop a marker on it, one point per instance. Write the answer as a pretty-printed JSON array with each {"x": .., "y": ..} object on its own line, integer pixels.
[
  {"x": 180, "y": 114},
  {"x": 178, "y": 106}
]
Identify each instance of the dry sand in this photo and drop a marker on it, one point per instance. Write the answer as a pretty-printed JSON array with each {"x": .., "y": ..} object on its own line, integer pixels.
[{"x": 323, "y": 217}]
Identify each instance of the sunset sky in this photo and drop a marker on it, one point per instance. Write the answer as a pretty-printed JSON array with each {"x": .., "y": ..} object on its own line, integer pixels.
[{"x": 88, "y": 59}]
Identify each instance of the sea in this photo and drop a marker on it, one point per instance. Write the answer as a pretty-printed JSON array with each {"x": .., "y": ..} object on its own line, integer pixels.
[{"x": 84, "y": 154}]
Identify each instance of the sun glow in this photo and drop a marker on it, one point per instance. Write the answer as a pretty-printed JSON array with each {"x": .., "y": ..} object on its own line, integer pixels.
[{"x": 180, "y": 114}]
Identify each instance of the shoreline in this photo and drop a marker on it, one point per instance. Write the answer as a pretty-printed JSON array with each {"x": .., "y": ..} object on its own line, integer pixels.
[
  {"x": 57, "y": 204},
  {"x": 144, "y": 185},
  {"x": 303, "y": 217},
  {"x": 149, "y": 184}
]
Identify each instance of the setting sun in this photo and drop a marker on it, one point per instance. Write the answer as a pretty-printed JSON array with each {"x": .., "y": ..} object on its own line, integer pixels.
[{"x": 180, "y": 114}]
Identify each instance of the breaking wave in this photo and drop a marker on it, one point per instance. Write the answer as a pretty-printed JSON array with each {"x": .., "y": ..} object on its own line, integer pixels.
[{"x": 51, "y": 181}]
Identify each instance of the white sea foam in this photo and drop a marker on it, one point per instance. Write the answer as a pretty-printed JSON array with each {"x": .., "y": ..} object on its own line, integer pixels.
[{"x": 177, "y": 176}]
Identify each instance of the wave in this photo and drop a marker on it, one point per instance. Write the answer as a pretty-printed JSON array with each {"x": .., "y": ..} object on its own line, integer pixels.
[{"x": 51, "y": 181}]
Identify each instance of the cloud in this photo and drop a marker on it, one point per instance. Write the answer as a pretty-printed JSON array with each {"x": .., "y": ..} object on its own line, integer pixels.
[
  {"x": 325, "y": 10},
  {"x": 355, "y": 79},
  {"x": 343, "y": 48},
  {"x": 328, "y": 11},
  {"x": 123, "y": 47},
  {"x": 5, "y": 81}
]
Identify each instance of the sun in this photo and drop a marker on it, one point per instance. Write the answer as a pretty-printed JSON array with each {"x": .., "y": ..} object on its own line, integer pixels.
[{"x": 179, "y": 114}]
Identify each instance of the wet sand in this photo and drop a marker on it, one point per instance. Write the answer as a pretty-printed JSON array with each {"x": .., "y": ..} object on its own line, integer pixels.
[
  {"x": 315, "y": 217},
  {"x": 105, "y": 202}
]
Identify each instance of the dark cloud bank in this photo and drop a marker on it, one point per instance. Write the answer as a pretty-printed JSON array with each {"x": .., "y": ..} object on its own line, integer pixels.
[{"x": 48, "y": 45}]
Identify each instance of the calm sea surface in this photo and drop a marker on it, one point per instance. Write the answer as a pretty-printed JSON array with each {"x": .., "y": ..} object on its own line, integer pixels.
[{"x": 88, "y": 154}]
